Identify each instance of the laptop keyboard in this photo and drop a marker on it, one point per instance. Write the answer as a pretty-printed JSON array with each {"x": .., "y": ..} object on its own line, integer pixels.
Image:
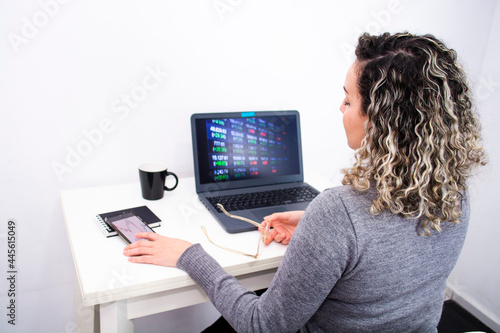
[{"x": 264, "y": 199}]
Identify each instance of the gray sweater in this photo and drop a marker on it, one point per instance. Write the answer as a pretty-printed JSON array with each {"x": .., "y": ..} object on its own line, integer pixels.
[{"x": 344, "y": 270}]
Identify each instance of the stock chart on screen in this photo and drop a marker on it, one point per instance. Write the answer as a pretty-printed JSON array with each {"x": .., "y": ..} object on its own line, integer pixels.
[{"x": 249, "y": 148}]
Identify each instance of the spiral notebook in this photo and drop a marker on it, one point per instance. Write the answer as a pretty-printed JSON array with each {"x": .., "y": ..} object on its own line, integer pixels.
[{"x": 142, "y": 211}]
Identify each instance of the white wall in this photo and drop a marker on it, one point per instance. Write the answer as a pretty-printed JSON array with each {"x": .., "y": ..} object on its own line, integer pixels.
[
  {"x": 475, "y": 282},
  {"x": 68, "y": 69}
]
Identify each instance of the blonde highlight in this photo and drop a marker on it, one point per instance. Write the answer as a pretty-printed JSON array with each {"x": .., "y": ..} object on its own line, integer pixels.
[{"x": 422, "y": 137}]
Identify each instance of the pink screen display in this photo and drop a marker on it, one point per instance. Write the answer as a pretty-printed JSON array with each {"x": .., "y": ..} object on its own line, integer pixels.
[{"x": 130, "y": 226}]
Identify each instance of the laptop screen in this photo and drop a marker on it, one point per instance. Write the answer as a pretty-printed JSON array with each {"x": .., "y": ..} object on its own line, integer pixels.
[{"x": 247, "y": 148}]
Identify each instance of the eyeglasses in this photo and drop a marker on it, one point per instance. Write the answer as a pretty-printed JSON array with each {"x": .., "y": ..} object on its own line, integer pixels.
[{"x": 262, "y": 237}]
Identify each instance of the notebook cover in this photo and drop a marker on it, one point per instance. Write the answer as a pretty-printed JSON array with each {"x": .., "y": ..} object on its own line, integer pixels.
[{"x": 142, "y": 211}]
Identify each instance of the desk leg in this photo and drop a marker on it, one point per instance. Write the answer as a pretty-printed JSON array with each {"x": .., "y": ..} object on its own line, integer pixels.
[
  {"x": 114, "y": 318},
  {"x": 87, "y": 317}
]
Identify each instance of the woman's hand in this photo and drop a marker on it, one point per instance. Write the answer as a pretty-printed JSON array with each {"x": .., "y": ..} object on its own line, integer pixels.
[
  {"x": 283, "y": 225},
  {"x": 156, "y": 249}
]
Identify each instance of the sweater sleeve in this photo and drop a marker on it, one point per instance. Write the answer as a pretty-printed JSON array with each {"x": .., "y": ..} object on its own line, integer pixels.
[{"x": 320, "y": 251}]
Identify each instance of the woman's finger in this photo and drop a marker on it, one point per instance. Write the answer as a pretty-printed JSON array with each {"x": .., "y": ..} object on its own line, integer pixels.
[
  {"x": 138, "y": 251},
  {"x": 147, "y": 235},
  {"x": 279, "y": 238},
  {"x": 141, "y": 260},
  {"x": 270, "y": 236},
  {"x": 139, "y": 244}
]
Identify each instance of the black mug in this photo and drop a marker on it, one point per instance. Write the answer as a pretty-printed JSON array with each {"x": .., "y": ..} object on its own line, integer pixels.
[{"x": 153, "y": 176}]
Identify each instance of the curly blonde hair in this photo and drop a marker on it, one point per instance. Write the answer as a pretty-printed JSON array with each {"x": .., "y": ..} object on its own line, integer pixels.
[{"x": 422, "y": 137}]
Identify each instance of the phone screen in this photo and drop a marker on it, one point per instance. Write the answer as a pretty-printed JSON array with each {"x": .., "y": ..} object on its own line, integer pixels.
[{"x": 127, "y": 225}]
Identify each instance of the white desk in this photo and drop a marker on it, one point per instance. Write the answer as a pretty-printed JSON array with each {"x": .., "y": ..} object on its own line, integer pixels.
[{"x": 119, "y": 291}]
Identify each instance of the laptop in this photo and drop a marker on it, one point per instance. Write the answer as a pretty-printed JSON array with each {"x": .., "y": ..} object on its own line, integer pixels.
[{"x": 251, "y": 163}]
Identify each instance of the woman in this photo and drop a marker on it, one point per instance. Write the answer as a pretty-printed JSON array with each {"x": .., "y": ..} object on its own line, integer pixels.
[{"x": 374, "y": 254}]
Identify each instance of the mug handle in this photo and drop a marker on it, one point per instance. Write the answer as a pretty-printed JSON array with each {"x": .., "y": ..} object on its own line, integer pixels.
[{"x": 168, "y": 173}]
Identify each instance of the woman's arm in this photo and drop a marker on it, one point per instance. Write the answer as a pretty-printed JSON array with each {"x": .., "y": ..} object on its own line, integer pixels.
[{"x": 320, "y": 250}]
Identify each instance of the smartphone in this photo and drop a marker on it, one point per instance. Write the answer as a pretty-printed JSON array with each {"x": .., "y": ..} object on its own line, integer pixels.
[{"x": 127, "y": 225}]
